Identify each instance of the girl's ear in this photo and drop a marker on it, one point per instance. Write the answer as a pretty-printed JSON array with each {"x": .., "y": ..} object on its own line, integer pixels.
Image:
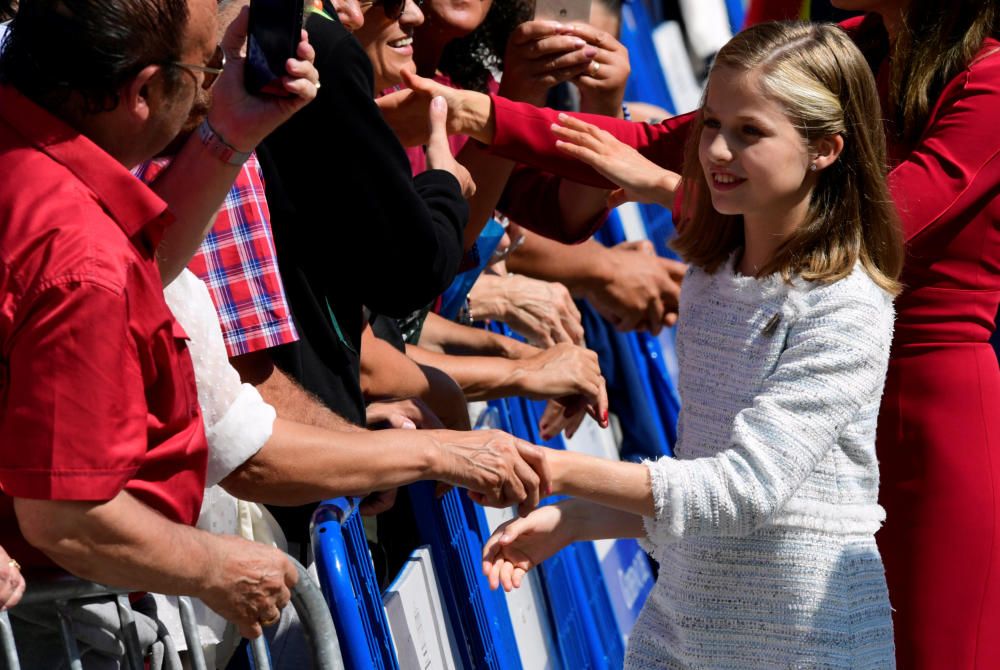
[{"x": 826, "y": 151}]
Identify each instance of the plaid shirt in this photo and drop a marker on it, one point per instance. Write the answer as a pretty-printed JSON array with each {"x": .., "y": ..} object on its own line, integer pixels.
[{"x": 238, "y": 262}]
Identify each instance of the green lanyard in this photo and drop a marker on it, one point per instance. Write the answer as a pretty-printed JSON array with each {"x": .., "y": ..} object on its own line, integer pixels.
[{"x": 322, "y": 8}]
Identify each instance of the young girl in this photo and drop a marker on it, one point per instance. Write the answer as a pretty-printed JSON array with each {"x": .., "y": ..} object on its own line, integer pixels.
[{"x": 764, "y": 524}]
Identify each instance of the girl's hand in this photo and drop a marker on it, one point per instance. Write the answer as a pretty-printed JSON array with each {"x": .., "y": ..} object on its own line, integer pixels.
[
  {"x": 521, "y": 544},
  {"x": 639, "y": 179},
  {"x": 541, "y": 54}
]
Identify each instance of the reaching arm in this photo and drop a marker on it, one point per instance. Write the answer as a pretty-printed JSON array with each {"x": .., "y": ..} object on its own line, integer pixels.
[
  {"x": 447, "y": 337},
  {"x": 521, "y": 544},
  {"x": 124, "y": 543},
  {"x": 196, "y": 182},
  {"x": 289, "y": 399}
]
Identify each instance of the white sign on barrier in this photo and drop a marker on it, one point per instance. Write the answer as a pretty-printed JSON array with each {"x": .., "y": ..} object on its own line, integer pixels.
[{"x": 420, "y": 629}]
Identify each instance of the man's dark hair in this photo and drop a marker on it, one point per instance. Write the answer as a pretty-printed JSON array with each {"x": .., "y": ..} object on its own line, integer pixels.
[{"x": 90, "y": 47}]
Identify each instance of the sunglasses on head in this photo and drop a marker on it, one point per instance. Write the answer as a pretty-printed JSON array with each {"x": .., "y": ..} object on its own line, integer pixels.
[{"x": 212, "y": 69}]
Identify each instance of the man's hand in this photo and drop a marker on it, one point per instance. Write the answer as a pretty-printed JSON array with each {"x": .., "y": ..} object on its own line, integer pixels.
[
  {"x": 543, "y": 312},
  {"x": 11, "y": 581},
  {"x": 540, "y": 55},
  {"x": 244, "y": 120},
  {"x": 439, "y": 156},
  {"x": 569, "y": 373},
  {"x": 247, "y": 583},
  {"x": 636, "y": 289},
  {"x": 498, "y": 469}
]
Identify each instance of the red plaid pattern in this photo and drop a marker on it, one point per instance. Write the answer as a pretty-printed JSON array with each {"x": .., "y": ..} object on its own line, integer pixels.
[{"x": 238, "y": 262}]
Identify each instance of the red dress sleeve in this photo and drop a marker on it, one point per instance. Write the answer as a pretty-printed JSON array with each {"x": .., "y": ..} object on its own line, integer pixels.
[
  {"x": 956, "y": 163},
  {"x": 524, "y": 134}
]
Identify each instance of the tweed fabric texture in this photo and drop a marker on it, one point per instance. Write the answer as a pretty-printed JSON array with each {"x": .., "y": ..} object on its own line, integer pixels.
[{"x": 765, "y": 520}]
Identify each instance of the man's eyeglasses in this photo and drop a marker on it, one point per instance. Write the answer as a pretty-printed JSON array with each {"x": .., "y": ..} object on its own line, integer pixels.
[
  {"x": 393, "y": 8},
  {"x": 212, "y": 69}
]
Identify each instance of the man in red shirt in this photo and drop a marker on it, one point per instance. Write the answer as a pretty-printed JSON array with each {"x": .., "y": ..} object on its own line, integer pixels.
[{"x": 102, "y": 446}]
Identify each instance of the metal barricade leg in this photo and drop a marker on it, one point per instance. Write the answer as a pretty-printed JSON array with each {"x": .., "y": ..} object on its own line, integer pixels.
[
  {"x": 7, "y": 642},
  {"x": 195, "y": 653},
  {"x": 69, "y": 640},
  {"x": 314, "y": 615},
  {"x": 130, "y": 637}
]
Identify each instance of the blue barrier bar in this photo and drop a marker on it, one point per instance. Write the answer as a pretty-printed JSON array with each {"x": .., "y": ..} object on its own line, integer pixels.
[{"x": 347, "y": 578}]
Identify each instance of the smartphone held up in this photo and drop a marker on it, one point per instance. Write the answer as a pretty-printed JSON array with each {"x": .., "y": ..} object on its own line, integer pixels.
[
  {"x": 273, "y": 37},
  {"x": 563, "y": 11}
]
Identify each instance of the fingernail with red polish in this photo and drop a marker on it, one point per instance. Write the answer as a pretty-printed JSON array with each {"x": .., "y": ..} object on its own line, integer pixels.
[{"x": 546, "y": 437}]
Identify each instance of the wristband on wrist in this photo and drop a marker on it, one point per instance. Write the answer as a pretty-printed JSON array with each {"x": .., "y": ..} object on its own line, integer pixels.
[{"x": 218, "y": 146}]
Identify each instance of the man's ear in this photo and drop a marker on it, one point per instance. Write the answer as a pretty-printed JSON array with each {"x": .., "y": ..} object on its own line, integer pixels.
[
  {"x": 826, "y": 151},
  {"x": 143, "y": 92}
]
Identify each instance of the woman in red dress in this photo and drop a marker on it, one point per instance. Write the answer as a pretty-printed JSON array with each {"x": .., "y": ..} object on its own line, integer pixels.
[{"x": 938, "y": 69}]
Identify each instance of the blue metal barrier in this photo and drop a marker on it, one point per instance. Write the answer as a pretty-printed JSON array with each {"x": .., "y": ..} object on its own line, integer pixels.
[{"x": 347, "y": 578}]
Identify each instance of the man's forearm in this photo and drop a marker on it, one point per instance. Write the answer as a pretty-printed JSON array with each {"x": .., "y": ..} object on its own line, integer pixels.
[
  {"x": 121, "y": 543},
  {"x": 447, "y": 337},
  {"x": 289, "y": 399},
  {"x": 480, "y": 377},
  {"x": 302, "y": 464},
  {"x": 194, "y": 186},
  {"x": 490, "y": 174},
  {"x": 578, "y": 266}
]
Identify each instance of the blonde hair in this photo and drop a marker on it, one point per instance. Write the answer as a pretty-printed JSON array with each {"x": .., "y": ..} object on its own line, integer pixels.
[{"x": 826, "y": 87}]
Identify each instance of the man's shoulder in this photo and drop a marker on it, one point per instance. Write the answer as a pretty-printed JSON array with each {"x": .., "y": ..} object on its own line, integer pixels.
[{"x": 54, "y": 226}]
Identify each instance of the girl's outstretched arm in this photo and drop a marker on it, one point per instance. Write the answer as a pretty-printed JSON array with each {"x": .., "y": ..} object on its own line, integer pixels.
[
  {"x": 521, "y": 544},
  {"x": 615, "y": 484}
]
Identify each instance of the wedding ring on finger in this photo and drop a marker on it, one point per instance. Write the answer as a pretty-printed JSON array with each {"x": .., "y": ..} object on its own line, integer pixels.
[
  {"x": 270, "y": 622},
  {"x": 14, "y": 564},
  {"x": 594, "y": 68}
]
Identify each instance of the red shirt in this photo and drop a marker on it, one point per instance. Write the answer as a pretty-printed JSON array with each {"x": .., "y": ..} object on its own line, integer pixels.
[{"x": 97, "y": 391}]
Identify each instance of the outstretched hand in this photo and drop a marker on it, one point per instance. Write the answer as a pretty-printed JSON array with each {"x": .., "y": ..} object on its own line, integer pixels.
[
  {"x": 439, "y": 156},
  {"x": 407, "y": 111},
  {"x": 638, "y": 178},
  {"x": 522, "y": 544},
  {"x": 244, "y": 120},
  {"x": 498, "y": 470}
]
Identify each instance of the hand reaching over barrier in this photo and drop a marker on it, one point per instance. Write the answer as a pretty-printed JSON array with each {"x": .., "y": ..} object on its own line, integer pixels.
[
  {"x": 439, "y": 156},
  {"x": 641, "y": 291},
  {"x": 638, "y": 178},
  {"x": 499, "y": 470},
  {"x": 543, "y": 312}
]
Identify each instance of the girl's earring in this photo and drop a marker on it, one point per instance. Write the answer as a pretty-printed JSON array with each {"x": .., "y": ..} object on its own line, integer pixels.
[{"x": 813, "y": 167}]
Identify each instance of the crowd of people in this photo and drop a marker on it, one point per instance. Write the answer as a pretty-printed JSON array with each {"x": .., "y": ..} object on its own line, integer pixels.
[{"x": 218, "y": 308}]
